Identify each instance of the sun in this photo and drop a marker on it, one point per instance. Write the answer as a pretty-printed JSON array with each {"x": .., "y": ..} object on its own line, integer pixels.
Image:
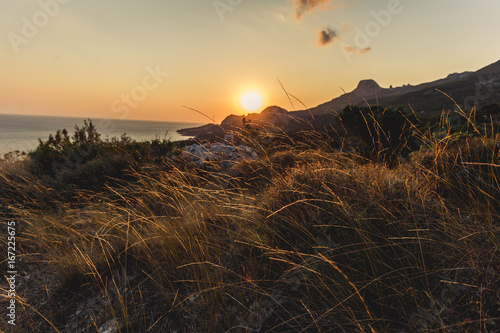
[{"x": 251, "y": 101}]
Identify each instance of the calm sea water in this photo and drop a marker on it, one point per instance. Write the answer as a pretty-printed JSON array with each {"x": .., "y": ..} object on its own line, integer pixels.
[{"x": 21, "y": 132}]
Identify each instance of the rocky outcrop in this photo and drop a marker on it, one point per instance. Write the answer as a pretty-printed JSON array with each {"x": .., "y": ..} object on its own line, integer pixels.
[
  {"x": 367, "y": 88},
  {"x": 224, "y": 155},
  {"x": 276, "y": 110},
  {"x": 232, "y": 121},
  {"x": 207, "y": 131},
  {"x": 271, "y": 119}
]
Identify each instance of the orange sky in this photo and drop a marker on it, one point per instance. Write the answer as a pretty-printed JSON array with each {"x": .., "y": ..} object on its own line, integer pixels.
[{"x": 110, "y": 59}]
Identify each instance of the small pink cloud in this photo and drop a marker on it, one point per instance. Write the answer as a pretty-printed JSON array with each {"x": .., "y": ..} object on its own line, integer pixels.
[{"x": 355, "y": 50}]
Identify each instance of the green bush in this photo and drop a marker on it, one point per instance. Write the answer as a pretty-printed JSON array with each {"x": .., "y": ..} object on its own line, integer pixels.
[{"x": 87, "y": 160}]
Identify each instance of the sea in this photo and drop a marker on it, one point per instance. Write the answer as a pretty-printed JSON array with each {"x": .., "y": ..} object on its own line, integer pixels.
[{"x": 21, "y": 132}]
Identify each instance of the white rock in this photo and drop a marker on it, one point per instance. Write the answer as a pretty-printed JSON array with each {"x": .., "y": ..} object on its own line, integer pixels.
[
  {"x": 225, "y": 154},
  {"x": 109, "y": 327}
]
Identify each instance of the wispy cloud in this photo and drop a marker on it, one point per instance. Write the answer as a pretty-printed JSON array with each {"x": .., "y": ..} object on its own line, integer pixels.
[
  {"x": 327, "y": 36},
  {"x": 304, "y": 6},
  {"x": 279, "y": 17},
  {"x": 355, "y": 50}
]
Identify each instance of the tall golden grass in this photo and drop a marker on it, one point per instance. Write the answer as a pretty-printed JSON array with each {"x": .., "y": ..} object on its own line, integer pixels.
[{"x": 306, "y": 239}]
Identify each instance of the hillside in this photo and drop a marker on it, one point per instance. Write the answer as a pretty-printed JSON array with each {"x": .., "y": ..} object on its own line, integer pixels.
[{"x": 467, "y": 89}]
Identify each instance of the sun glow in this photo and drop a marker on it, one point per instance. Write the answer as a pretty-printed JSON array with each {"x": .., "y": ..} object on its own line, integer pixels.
[{"x": 251, "y": 101}]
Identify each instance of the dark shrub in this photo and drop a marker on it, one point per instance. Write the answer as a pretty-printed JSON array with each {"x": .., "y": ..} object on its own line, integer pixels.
[
  {"x": 85, "y": 159},
  {"x": 385, "y": 134}
]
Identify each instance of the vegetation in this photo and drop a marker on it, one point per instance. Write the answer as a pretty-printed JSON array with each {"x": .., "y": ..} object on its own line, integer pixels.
[
  {"x": 85, "y": 159},
  {"x": 330, "y": 230},
  {"x": 385, "y": 134}
]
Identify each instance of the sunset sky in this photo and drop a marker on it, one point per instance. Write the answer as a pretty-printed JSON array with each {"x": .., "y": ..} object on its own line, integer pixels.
[{"x": 145, "y": 59}]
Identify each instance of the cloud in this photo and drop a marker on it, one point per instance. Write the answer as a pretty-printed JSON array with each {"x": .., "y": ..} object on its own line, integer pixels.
[
  {"x": 327, "y": 36},
  {"x": 355, "y": 50},
  {"x": 347, "y": 27},
  {"x": 280, "y": 17},
  {"x": 304, "y": 6}
]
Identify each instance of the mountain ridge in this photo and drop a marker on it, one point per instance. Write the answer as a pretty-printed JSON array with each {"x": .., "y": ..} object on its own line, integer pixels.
[
  {"x": 457, "y": 85},
  {"x": 458, "y": 90}
]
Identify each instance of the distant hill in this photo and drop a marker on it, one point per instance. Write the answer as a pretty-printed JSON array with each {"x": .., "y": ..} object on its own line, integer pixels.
[
  {"x": 365, "y": 89},
  {"x": 467, "y": 89}
]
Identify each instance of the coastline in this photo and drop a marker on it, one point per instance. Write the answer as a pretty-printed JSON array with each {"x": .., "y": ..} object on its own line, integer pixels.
[{"x": 22, "y": 132}]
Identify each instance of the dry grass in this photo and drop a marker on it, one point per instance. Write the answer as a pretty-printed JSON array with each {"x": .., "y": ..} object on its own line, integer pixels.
[{"x": 305, "y": 239}]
